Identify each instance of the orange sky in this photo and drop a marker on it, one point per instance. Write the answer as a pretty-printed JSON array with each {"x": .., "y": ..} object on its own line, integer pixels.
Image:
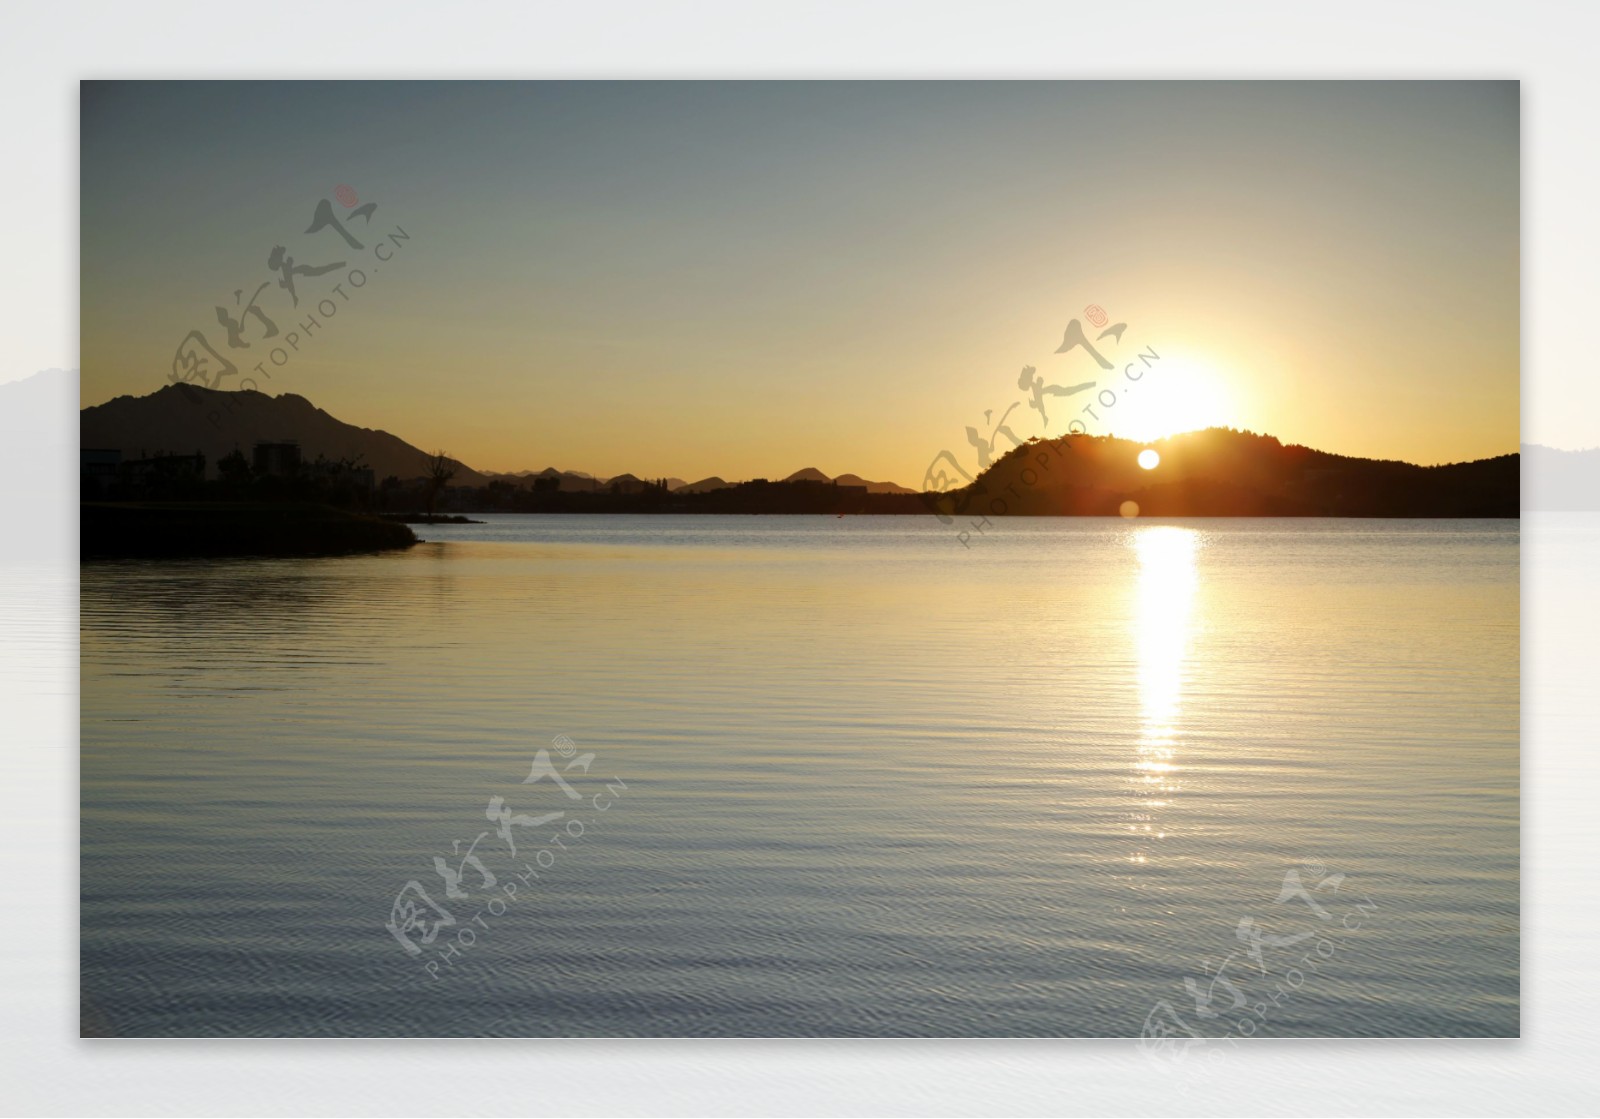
[{"x": 698, "y": 278}]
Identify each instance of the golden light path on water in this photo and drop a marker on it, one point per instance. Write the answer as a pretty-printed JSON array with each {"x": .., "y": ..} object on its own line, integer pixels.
[
  {"x": 1163, "y": 605},
  {"x": 827, "y": 810}
]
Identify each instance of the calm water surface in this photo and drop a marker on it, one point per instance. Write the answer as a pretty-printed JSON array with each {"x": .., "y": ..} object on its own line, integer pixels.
[{"x": 861, "y": 781}]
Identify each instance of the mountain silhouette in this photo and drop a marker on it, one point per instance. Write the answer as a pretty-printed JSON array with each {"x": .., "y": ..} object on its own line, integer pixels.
[
  {"x": 1221, "y": 472},
  {"x": 872, "y": 487},
  {"x": 704, "y": 485},
  {"x": 1216, "y": 472},
  {"x": 182, "y": 419},
  {"x": 812, "y": 474},
  {"x": 568, "y": 481}
]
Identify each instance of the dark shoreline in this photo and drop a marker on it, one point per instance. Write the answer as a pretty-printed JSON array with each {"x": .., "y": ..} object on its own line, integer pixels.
[
  {"x": 427, "y": 519},
  {"x": 126, "y": 530}
]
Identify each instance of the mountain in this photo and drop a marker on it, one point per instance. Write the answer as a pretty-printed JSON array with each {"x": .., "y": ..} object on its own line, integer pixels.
[
  {"x": 181, "y": 419},
  {"x": 1217, "y": 472},
  {"x": 812, "y": 474},
  {"x": 567, "y": 481},
  {"x": 624, "y": 483},
  {"x": 872, "y": 487},
  {"x": 576, "y": 481},
  {"x": 1220, "y": 472},
  {"x": 573, "y": 481},
  {"x": 704, "y": 485}
]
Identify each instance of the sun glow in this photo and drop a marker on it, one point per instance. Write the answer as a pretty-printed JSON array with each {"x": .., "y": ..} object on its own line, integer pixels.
[{"x": 1173, "y": 396}]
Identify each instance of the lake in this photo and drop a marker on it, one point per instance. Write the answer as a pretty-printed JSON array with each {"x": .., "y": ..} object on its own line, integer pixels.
[{"x": 816, "y": 776}]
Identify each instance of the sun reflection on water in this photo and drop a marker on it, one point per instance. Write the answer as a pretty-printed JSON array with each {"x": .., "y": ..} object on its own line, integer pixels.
[{"x": 1163, "y": 605}]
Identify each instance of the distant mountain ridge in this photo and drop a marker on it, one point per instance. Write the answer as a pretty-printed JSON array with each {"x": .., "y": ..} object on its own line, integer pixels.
[
  {"x": 1218, "y": 472},
  {"x": 704, "y": 485},
  {"x": 574, "y": 481},
  {"x": 182, "y": 419},
  {"x": 872, "y": 487},
  {"x": 812, "y": 474}
]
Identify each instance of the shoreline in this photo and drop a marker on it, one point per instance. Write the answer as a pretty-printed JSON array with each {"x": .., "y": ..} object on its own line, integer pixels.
[{"x": 130, "y": 530}]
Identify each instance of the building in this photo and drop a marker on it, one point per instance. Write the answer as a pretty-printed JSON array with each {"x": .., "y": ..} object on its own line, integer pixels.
[
  {"x": 162, "y": 476},
  {"x": 97, "y": 470},
  {"x": 281, "y": 460},
  {"x": 343, "y": 474}
]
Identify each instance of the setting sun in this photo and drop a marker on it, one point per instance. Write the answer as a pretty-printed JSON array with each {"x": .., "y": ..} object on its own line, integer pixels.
[
  {"x": 1185, "y": 395},
  {"x": 1033, "y": 526}
]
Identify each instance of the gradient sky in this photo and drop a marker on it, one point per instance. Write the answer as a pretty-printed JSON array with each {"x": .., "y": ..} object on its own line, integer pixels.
[{"x": 689, "y": 279}]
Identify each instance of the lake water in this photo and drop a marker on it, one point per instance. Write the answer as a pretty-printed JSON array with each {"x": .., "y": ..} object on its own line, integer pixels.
[{"x": 848, "y": 778}]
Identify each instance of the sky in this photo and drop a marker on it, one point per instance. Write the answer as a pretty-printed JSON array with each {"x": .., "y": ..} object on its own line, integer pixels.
[{"x": 743, "y": 279}]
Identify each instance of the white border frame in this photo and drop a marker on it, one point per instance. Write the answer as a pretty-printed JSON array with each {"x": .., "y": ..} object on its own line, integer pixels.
[{"x": 46, "y": 1070}]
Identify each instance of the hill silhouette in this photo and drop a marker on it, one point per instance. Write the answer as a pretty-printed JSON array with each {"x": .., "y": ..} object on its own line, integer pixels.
[
  {"x": 182, "y": 419},
  {"x": 704, "y": 485},
  {"x": 872, "y": 487},
  {"x": 1221, "y": 472},
  {"x": 812, "y": 474},
  {"x": 1216, "y": 472}
]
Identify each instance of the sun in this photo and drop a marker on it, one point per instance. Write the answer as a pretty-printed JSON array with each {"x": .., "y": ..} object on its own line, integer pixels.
[
  {"x": 1149, "y": 458},
  {"x": 1176, "y": 395}
]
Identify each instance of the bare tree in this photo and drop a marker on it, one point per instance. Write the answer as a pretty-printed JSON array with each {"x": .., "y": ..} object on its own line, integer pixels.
[{"x": 440, "y": 471}]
